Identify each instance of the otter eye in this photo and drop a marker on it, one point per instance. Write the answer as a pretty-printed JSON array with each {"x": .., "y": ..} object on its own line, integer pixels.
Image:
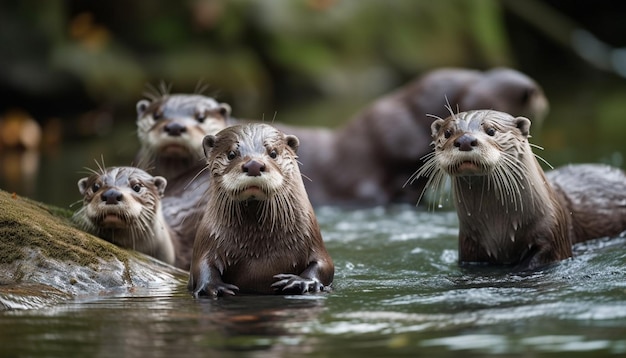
[
  {"x": 231, "y": 155},
  {"x": 157, "y": 115},
  {"x": 200, "y": 117},
  {"x": 137, "y": 187},
  {"x": 490, "y": 131},
  {"x": 273, "y": 154},
  {"x": 95, "y": 187},
  {"x": 447, "y": 133}
]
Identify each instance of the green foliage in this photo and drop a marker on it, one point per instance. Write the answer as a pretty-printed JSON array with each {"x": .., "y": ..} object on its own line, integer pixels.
[{"x": 253, "y": 51}]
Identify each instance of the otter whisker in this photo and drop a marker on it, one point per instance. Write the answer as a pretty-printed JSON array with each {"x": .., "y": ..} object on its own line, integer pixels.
[
  {"x": 501, "y": 186},
  {"x": 201, "y": 87},
  {"x": 507, "y": 188},
  {"x": 483, "y": 190},
  {"x": 543, "y": 160},
  {"x": 101, "y": 167},
  {"x": 427, "y": 167},
  {"x": 436, "y": 176},
  {"x": 437, "y": 187},
  {"x": 433, "y": 116},
  {"x": 206, "y": 167},
  {"x": 76, "y": 202},
  {"x": 89, "y": 171},
  {"x": 517, "y": 179},
  {"x": 306, "y": 177},
  {"x": 536, "y": 146},
  {"x": 165, "y": 88}
]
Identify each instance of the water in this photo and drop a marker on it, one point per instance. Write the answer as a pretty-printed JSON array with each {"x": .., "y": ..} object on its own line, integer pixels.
[{"x": 398, "y": 292}]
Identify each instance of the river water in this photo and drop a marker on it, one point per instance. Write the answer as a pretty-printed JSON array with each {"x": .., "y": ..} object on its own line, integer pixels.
[{"x": 398, "y": 291}]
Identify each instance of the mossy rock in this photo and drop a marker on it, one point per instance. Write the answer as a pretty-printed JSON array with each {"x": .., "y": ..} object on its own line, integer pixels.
[{"x": 44, "y": 259}]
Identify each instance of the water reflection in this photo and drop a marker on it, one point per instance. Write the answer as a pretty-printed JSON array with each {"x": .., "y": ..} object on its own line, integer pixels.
[
  {"x": 398, "y": 291},
  {"x": 153, "y": 323},
  {"x": 261, "y": 323}
]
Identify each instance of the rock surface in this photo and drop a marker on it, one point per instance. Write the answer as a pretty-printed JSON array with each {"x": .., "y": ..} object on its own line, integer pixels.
[{"x": 45, "y": 260}]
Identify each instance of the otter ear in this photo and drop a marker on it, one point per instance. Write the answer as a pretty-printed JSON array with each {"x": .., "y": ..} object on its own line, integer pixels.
[
  {"x": 225, "y": 110},
  {"x": 160, "y": 183},
  {"x": 435, "y": 127},
  {"x": 523, "y": 124},
  {"x": 141, "y": 106},
  {"x": 207, "y": 143},
  {"x": 82, "y": 185},
  {"x": 293, "y": 142}
]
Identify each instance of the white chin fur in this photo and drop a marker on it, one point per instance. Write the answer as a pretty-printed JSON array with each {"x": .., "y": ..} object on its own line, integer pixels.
[
  {"x": 237, "y": 183},
  {"x": 488, "y": 158}
]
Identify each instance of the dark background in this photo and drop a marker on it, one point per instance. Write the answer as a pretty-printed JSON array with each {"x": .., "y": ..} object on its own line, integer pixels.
[{"x": 78, "y": 68}]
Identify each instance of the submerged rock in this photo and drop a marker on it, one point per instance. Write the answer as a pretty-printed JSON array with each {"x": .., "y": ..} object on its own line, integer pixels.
[{"x": 45, "y": 260}]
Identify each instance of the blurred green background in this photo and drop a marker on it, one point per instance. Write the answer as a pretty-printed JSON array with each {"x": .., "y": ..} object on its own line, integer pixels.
[{"x": 78, "y": 68}]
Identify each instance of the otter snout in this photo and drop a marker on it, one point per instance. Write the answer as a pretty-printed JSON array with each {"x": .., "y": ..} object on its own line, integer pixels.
[
  {"x": 466, "y": 142},
  {"x": 253, "y": 168},
  {"x": 174, "y": 129},
  {"x": 112, "y": 196}
]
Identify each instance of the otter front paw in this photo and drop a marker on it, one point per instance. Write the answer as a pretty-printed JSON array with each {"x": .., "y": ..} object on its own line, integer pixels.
[
  {"x": 215, "y": 290},
  {"x": 289, "y": 283}
]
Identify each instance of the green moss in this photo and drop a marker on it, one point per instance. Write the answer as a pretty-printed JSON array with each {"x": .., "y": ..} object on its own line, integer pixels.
[
  {"x": 44, "y": 259},
  {"x": 25, "y": 223}
]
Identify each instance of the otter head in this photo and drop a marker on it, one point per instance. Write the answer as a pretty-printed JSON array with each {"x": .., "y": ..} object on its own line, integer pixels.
[
  {"x": 120, "y": 198},
  {"x": 480, "y": 142},
  {"x": 170, "y": 130},
  {"x": 252, "y": 162},
  {"x": 506, "y": 90}
]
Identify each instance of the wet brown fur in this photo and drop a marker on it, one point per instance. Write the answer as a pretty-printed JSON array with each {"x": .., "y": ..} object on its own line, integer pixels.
[
  {"x": 367, "y": 161},
  {"x": 168, "y": 152},
  {"x": 140, "y": 224},
  {"x": 179, "y": 157},
  {"x": 509, "y": 211},
  {"x": 262, "y": 241}
]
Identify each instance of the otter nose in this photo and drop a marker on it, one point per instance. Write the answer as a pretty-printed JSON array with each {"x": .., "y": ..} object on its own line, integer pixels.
[
  {"x": 174, "y": 129},
  {"x": 465, "y": 142},
  {"x": 111, "y": 197},
  {"x": 253, "y": 168}
]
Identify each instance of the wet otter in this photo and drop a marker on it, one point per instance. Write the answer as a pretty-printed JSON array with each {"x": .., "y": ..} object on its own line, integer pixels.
[
  {"x": 367, "y": 161},
  {"x": 123, "y": 206},
  {"x": 509, "y": 211},
  {"x": 595, "y": 196},
  {"x": 170, "y": 128},
  {"x": 259, "y": 233}
]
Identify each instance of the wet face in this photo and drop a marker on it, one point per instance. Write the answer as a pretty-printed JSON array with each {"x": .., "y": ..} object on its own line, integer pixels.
[
  {"x": 251, "y": 162},
  {"x": 120, "y": 197},
  {"x": 174, "y": 125},
  {"x": 477, "y": 142}
]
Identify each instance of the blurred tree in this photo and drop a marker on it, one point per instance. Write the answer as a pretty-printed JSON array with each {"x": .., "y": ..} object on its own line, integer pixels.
[{"x": 257, "y": 54}]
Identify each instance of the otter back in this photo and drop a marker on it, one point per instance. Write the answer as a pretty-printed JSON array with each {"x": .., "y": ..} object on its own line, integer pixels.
[{"x": 367, "y": 161}]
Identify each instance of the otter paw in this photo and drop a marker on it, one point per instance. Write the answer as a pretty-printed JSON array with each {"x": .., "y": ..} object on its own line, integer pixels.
[
  {"x": 289, "y": 283},
  {"x": 216, "y": 290}
]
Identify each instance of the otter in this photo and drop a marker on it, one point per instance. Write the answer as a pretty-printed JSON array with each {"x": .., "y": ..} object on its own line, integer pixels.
[
  {"x": 122, "y": 205},
  {"x": 170, "y": 128},
  {"x": 259, "y": 233},
  {"x": 367, "y": 161},
  {"x": 595, "y": 196},
  {"x": 510, "y": 212}
]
